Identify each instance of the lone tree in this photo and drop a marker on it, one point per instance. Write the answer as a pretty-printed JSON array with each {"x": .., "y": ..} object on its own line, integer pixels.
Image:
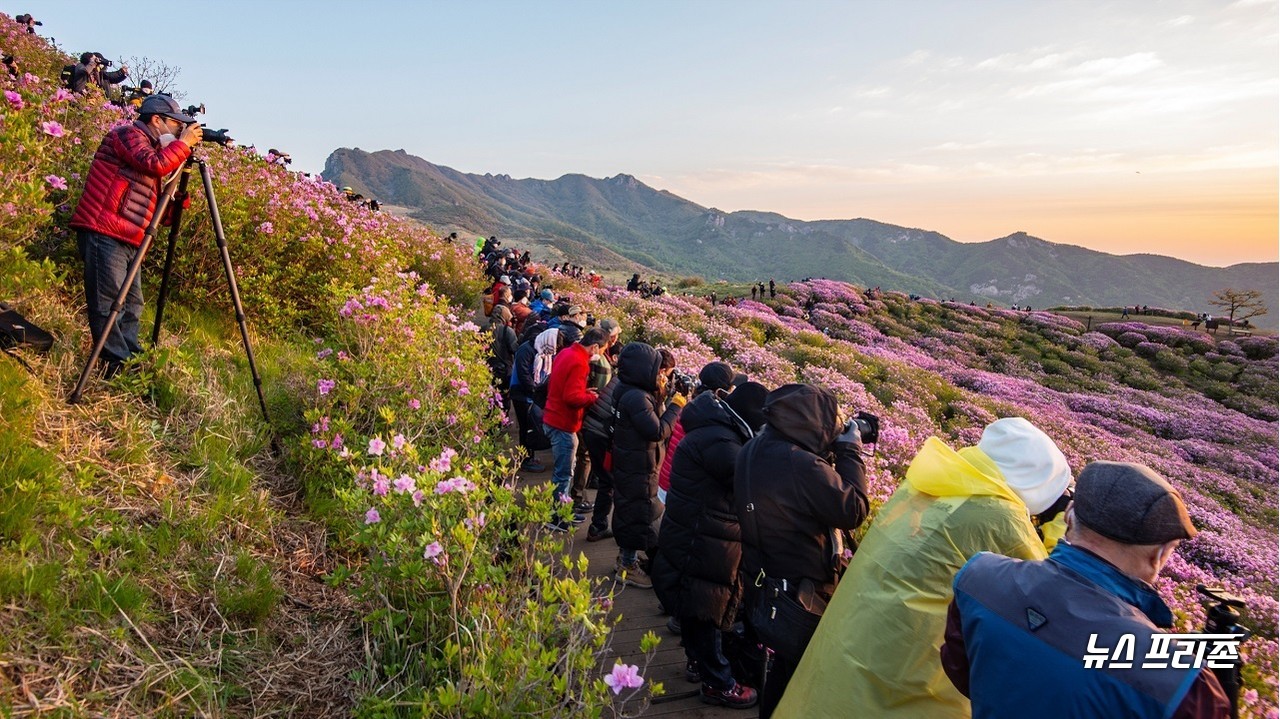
[
  {"x": 162, "y": 75},
  {"x": 1238, "y": 305}
]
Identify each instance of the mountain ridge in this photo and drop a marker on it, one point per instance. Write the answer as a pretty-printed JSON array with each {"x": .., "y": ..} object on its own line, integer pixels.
[{"x": 621, "y": 223}]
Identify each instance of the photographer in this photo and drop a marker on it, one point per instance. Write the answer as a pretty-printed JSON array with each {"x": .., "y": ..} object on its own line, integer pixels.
[
  {"x": 695, "y": 573},
  {"x": 1018, "y": 633},
  {"x": 91, "y": 69},
  {"x": 642, "y": 426},
  {"x": 115, "y": 210},
  {"x": 795, "y": 483},
  {"x": 879, "y": 637}
]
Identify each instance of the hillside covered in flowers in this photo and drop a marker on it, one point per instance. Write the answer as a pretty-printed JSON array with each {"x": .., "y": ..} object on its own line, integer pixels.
[{"x": 165, "y": 550}]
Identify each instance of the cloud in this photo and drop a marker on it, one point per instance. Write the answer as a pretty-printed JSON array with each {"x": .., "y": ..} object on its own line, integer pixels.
[{"x": 1134, "y": 64}]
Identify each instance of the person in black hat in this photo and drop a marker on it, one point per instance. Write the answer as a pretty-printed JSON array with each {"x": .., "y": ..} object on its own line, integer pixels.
[
  {"x": 29, "y": 22},
  {"x": 117, "y": 205},
  {"x": 1023, "y": 637},
  {"x": 695, "y": 573},
  {"x": 91, "y": 68}
]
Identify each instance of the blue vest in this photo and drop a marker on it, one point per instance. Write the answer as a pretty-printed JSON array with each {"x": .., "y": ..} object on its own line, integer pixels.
[{"x": 1026, "y": 630}]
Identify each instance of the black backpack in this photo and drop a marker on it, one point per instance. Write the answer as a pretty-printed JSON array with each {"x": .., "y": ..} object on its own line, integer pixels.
[
  {"x": 67, "y": 75},
  {"x": 17, "y": 331}
]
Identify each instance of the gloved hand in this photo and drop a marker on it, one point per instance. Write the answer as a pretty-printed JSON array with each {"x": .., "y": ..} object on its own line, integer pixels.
[
  {"x": 1053, "y": 531},
  {"x": 850, "y": 435},
  {"x": 679, "y": 400}
]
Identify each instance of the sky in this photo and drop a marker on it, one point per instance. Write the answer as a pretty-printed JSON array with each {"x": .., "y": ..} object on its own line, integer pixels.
[{"x": 1125, "y": 126}]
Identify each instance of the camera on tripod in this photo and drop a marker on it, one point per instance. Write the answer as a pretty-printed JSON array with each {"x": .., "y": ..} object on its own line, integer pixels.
[{"x": 217, "y": 137}]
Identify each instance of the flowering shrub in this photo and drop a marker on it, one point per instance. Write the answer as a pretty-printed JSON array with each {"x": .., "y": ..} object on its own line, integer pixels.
[{"x": 404, "y": 432}]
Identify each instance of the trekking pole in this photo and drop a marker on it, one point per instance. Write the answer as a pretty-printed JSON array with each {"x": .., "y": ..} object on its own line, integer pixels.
[
  {"x": 166, "y": 197},
  {"x": 221, "y": 237}
]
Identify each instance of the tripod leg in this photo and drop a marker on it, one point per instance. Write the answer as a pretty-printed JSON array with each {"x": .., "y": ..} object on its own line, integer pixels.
[
  {"x": 206, "y": 176},
  {"x": 134, "y": 268},
  {"x": 179, "y": 201}
]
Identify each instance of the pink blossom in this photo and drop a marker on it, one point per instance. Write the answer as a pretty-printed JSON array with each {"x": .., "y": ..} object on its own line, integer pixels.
[
  {"x": 337, "y": 443},
  {"x": 62, "y": 94},
  {"x": 433, "y": 552},
  {"x": 381, "y": 485},
  {"x": 56, "y": 182},
  {"x": 403, "y": 484},
  {"x": 624, "y": 676},
  {"x": 376, "y": 446},
  {"x": 444, "y": 462},
  {"x": 30, "y": 79},
  {"x": 266, "y": 228},
  {"x": 372, "y": 516},
  {"x": 14, "y": 99},
  {"x": 398, "y": 442},
  {"x": 418, "y": 496},
  {"x": 52, "y": 128},
  {"x": 325, "y": 386}
]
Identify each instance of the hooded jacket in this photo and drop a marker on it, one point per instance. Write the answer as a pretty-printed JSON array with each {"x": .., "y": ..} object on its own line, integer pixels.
[
  {"x": 640, "y": 430},
  {"x": 695, "y": 573},
  {"x": 793, "y": 485},
  {"x": 567, "y": 392},
  {"x": 877, "y": 645},
  {"x": 123, "y": 186}
]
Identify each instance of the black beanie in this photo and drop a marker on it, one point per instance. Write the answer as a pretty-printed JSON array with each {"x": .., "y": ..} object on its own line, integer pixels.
[
  {"x": 716, "y": 375},
  {"x": 748, "y": 401}
]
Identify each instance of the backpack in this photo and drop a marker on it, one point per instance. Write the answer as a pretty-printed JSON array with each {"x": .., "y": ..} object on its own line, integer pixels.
[
  {"x": 67, "y": 75},
  {"x": 488, "y": 301},
  {"x": 17, "y": 331}
]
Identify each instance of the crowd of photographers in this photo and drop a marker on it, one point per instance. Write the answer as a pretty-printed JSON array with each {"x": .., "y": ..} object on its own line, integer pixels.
[{"x": 976, "y": 591}]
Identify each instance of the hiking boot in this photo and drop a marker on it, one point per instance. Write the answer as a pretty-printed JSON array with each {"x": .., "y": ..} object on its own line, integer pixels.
[
  {"x": 595, "y": 535},
  {"x": 582, "y": 506},
  {"x": 532, "y": 466},
  {"x": 632, "y": 574},
  {"x": 691, "y": 673},
  {"x": 579, "y": 518},
  {"x": 739, "y": 697}
]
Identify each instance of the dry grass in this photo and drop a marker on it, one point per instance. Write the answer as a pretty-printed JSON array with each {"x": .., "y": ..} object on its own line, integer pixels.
[{"x": 128, "y": 467}]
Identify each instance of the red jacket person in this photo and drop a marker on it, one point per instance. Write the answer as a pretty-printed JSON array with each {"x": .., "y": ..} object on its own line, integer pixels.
[{"x": 115, "y": 209}]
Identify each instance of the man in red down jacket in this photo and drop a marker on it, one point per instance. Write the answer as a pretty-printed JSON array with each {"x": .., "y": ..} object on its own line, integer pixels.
[
  {"x": 568, "y": 398},
  {"x": 115, "y": 209}
]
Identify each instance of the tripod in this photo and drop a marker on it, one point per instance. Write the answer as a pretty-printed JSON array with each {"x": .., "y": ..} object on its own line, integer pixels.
[{"x": 175, "y": 187}]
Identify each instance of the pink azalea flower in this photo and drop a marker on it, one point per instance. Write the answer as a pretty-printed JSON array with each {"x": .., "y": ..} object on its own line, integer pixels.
[
  {"x": 62, "y": 94},
  {"x": 381, "y": 485},
  {"x": 52, "y": 128},
  {"x": 404, "y": 484},
  {"x": 624, "y": 676},
  {"x": 433, "y": 552},
  {"x": 266, "y": 228},
  {"x": 14, "y": 99},
  {"x": 418, "y": 496},
  {"x": 372, "y": 516},
  {"x": 325, "y": 386},
  {"x": 414, "y": 404},
  {"x": 398, "y": 442},
  {"x": 376, "y": 446},
  {"x": 56, "y": 182}
]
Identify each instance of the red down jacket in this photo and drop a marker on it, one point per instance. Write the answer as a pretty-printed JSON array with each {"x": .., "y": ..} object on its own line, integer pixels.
[{"x": 124, "y": 183}]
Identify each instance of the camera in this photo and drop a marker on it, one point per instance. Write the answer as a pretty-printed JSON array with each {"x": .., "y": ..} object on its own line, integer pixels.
[
  {"x": 194, "y": 110},
  {"x": 1224, "y": 618},
  {"x": 102, "y": 60},
  {"x": 591, "y": 320},
  {"x": 217, "y": 137},
  {"x": 868, "y": 427},
  {"x": 683, "y": 382}
]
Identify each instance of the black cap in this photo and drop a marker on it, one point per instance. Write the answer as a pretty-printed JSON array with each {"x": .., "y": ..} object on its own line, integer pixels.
[
  {"x": 164, "y": 105},
  {"x": 1131, "y": 504},
  {"x": 716, "y": 375},
  {"x": 748, "y": 401}
]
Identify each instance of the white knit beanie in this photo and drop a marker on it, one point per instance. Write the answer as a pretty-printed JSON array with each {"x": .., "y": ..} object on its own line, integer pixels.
[{"x": 1031, "y": 463}]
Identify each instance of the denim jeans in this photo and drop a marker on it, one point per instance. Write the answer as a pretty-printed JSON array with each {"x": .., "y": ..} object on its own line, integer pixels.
[
  {"x": 702, "y": 645},
  {"x": 106, "y": 262},
  {"x": 564, "y": 447}
]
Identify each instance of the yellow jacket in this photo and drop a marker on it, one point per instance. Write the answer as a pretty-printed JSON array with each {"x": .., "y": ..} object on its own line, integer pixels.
[{"x": 875, "y": 653}]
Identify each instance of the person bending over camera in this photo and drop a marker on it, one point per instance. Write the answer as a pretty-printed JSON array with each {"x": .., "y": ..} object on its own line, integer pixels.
[
  {"x": 876, "y": 647},
  {"x": 795, "y": 484},
  {"x": 113, "y": 213},
  {"x": 1019, "y": 633}
]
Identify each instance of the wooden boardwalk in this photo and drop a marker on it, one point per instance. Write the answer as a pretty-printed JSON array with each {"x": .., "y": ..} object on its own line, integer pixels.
[{"x": 640, "y": 613}]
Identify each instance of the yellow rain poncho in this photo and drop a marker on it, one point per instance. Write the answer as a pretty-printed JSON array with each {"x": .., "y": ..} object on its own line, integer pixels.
[{"x": 875, "y": 654}]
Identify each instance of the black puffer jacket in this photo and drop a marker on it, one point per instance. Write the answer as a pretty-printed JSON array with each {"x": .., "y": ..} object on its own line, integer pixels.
[
  {"x": 700, "y": 545},
  {"x": 800, "y": 486},
  {"x": 640, "y": 434}
]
